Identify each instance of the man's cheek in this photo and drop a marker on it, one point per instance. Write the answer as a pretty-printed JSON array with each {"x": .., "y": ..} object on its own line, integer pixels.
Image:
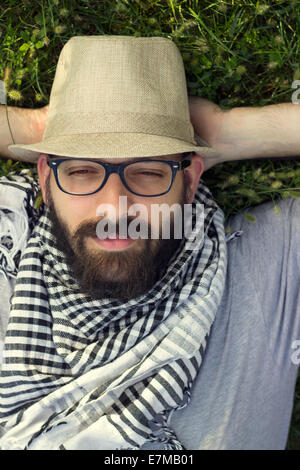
[
  {"x": 70, "y": 218},
  {"x": 166, "y": 221}
]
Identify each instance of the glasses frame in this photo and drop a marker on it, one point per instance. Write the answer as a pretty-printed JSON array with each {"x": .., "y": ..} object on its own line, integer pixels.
[{"x": 111, "y": 168}]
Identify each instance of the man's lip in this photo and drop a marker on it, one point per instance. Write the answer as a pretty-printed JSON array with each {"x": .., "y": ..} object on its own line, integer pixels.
[{"x": 114, "y": 243}]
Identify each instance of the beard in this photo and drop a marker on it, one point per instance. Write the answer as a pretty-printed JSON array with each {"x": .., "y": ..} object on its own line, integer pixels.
[{"x": 121, "y": 275}]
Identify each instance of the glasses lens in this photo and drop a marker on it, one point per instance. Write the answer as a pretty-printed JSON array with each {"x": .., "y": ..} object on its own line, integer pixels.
[
  {"x": 148, "y": 178},
  {"x": 80, "y": 177}
]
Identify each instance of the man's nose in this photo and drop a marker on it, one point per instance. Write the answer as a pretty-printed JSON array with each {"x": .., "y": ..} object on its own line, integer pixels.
[{"x": 112, "y": 190}]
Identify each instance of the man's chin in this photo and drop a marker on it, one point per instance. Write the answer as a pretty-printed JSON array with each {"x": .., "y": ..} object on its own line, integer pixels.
[
  {"x": 108, "y": 265},
  {"x": 119, "y": 274}
]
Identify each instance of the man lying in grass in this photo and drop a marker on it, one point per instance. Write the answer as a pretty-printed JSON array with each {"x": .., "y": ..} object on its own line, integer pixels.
[{"x": 131, "y": 342}]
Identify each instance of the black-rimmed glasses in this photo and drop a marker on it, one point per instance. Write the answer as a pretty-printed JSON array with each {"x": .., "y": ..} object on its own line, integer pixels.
[{"x": 146, "y": 178}]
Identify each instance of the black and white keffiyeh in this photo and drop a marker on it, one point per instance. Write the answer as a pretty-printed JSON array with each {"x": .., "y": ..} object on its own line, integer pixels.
[{"x": 80, "y": 373}]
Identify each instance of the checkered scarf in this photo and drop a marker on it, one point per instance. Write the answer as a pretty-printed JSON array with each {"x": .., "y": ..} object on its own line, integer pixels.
[{"x": 80, "y": 373}]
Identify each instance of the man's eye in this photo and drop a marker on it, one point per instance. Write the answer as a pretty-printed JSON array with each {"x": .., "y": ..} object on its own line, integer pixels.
[
  {"x": 149, "y": 173},
  {"x": 82, "y": 171}
]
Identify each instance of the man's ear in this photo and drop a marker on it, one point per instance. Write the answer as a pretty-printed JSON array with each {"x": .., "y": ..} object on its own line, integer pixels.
[
  {"x": 192, "y": 176},
  {"x": 43, "y": 172}
]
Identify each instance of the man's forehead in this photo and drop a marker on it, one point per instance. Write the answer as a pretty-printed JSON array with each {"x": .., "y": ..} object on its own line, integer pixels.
[{"x": 173, "y": 156}]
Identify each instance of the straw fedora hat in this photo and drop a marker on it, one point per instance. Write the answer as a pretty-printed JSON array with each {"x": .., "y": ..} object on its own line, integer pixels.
[{"x": 117, "y": 97}]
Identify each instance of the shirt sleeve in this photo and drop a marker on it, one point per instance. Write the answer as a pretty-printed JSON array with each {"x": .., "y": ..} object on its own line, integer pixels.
[{"x": 270, "y": 248}]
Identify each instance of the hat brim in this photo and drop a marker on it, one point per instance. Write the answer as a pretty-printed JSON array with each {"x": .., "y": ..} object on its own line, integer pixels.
[{"x": 110, "y": 145}]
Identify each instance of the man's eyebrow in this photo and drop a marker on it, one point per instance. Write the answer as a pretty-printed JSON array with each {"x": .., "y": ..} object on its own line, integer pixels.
[{"x": 158, "y": 157}]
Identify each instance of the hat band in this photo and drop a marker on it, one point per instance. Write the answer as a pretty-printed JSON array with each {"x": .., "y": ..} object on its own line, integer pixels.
[{"x": 93, "y": 123}]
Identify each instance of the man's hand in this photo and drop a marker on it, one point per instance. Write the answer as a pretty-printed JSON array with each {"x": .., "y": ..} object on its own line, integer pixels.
[
  {"x": 39, "y": 117},
  {"x": 207, "y": 120},
  {"x": 227, "y": 131},
  {"x": 27, "y": 127}
]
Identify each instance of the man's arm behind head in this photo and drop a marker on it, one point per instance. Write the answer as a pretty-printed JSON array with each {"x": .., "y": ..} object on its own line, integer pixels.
[{"x": 20, "y": 126}]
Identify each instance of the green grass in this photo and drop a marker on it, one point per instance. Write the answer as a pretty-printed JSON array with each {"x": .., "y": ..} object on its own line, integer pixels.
[{"x": 236, "y": 53}]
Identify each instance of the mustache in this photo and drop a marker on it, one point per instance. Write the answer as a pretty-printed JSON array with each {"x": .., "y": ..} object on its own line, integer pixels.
[{"x": 112, "y": 227}]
